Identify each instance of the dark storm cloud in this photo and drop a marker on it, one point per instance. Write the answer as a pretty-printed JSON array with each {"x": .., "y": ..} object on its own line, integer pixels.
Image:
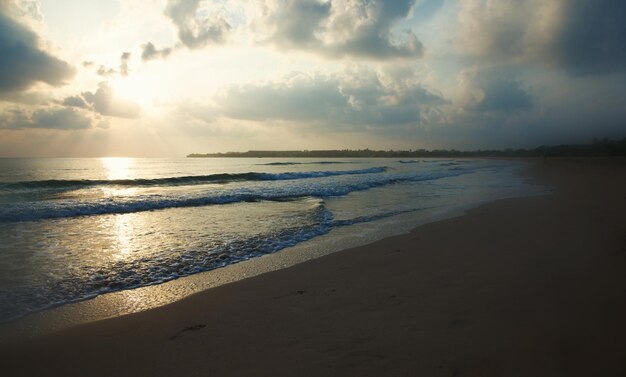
[
  {"x": 329, "y": 100},
  {"x": 49, "y": 118},
  {"x": 579, "y": 36},
  {"x": 22, "y": 62},
  {"x": 150, "y": 52},
  {"x": 593, "y": 37},
  {"x": 503, "y": 94},
  {"x": 494, "y": 90},
  {"x": 194, "y": 30},
  {"x": 542, "y": 72},
  {"x": 339, "y": 28}
]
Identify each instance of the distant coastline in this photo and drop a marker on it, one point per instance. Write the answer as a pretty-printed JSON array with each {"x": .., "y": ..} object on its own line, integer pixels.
[{"x": 603, "y": 147}]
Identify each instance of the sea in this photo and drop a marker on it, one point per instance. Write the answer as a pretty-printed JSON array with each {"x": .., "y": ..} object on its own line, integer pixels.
[{"x": 72, "y": 229}]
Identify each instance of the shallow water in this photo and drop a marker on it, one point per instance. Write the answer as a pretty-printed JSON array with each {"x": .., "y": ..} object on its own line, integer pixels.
[{"x": 73, "y": 229}]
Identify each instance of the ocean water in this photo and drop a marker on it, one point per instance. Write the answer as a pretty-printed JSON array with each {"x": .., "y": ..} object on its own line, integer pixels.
[{"x": 73, "y": 229}]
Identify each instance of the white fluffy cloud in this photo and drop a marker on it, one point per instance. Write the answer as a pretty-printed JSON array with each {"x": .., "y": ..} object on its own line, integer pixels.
[
  {"x": 340, "y": 28},
  {"x": 356, "y": 97},
  {"x": 104, "y": 101},
  {"x": 197, "y": 26}
]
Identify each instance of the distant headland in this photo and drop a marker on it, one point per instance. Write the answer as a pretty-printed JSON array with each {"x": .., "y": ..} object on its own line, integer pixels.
[{"x": 603, "y": 147}]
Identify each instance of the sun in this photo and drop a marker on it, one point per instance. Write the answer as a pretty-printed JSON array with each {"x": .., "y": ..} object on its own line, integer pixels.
[{"x": 145, "y": 90}]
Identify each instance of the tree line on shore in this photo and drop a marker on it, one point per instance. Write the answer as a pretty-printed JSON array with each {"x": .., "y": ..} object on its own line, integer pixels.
[{"x": 604, "y": 147}]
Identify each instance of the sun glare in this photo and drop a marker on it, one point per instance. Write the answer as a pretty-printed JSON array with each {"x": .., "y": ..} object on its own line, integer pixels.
[
  {"x": 139, "y": 89},
  {"x": 124, "y": 231},
  {"x": 116, "y": 167}
]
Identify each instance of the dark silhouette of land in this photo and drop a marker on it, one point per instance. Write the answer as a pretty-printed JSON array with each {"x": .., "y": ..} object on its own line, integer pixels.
[{"x": 603, "y": 147}]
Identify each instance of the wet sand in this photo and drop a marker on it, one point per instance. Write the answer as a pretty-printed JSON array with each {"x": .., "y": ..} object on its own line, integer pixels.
[{"x": 520, "y": 287}]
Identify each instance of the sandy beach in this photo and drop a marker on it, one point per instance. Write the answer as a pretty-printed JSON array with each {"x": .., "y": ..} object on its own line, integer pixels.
[{"x": 519, "y": 287}]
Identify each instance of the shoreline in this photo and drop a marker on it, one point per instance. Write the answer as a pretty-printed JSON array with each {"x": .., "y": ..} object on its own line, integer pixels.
[
  {"x": 530, "y": 286},
  {"x": 129, "y": 301}
]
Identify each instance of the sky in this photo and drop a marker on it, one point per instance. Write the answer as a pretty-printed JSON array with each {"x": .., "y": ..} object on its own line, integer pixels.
[{"x": 92, "y": 78}]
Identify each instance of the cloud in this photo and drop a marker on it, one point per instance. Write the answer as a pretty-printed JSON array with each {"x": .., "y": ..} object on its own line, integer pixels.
[
  {"x": 359, "y": 97},
  {"x": 492, "y": 90},
  {"x": 196, "y": 26},
  {"x": 299, "y": 99},
  {"x": 579, "y": 36},
  {"x": 124, "y": 63},
  {"x": 341, "y": 28},
  {"x": 58, "y": 118},
  {"x": 105, "y": 72},
  {"x": 150, "y": 52},
  {"x": 504, "y": 29},
  {"x": 76, "y": 101},
  {"x": 297, "y": 22},
  {"x": 22, "y": 61},
  {"x": 109, "y": 72},
  {"x": 425, "y": 9},
  {"x": 592, "y": 37},
  {"x": 103, "y": 101}
]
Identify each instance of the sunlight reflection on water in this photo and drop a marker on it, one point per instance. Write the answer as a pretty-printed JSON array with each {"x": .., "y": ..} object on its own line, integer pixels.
[
  {"x": 116, "y": 167},
  {"x": 150, "y": 238}
]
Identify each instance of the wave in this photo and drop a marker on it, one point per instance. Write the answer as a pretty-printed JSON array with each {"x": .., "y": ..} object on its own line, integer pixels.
[
  {"x": 55, "y": 184},
  {"x": 90, "y": 282},
  {"x": 16, "y": 212},
  {"x": 305, "y": 163}
]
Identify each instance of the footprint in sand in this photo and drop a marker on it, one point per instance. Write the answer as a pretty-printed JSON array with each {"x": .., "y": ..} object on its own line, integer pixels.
[{"x": 190, "y": 328}]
